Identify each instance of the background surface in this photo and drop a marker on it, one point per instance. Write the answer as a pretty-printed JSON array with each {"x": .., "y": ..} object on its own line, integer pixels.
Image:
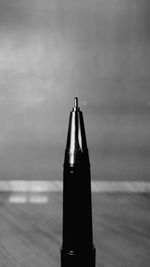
[{"x": 54, "y": 50}]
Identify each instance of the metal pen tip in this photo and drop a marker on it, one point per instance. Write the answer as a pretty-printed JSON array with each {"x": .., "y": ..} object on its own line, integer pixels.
[{"x": 75, "y": 102}]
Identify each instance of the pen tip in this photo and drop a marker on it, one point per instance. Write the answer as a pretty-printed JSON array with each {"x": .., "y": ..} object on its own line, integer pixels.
[{"x": 75, "y": 102}]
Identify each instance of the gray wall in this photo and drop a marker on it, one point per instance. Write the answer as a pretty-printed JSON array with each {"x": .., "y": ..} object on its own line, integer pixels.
[{"x": 54, "y": 50}]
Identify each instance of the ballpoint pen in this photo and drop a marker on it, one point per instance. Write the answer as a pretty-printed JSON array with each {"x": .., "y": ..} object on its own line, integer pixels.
[{"x": 77, "y": 239}]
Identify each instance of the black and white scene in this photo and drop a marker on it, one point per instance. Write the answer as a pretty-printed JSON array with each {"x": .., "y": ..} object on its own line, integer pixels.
[{"x": 74, "y": 133}]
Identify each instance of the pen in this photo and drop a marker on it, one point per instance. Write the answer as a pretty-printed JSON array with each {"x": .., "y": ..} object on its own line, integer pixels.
[{"x": 77, "y": 238}]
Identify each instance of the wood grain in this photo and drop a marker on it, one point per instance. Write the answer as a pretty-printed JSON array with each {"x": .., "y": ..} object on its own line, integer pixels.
[{"x": 30, "y": 233}]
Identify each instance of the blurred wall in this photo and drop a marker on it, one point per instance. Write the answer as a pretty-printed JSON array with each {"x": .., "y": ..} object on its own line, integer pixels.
[{"x": 54, "y": 50}]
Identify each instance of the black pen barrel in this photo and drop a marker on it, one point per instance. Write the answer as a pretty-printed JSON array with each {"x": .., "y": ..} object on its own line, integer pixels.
[{"x": 77, "y": 248}]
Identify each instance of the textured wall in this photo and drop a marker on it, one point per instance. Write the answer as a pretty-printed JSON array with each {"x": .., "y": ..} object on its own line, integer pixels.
[{"x": 54, "y": 50}]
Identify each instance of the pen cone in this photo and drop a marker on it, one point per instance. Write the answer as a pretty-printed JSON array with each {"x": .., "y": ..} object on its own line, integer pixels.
[{"x": 76, "y": 148}]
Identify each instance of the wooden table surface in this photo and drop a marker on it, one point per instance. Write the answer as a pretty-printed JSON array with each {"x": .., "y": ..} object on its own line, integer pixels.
[{"x": 30, "y": 232}]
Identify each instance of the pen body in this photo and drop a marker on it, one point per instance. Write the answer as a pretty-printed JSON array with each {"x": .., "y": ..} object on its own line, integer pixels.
[{"x": 77, "y": 212}]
